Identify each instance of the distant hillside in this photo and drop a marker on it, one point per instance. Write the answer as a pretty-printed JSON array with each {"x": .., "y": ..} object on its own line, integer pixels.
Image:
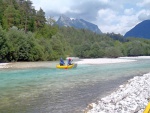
[
  {"x": 77, "y": 23},
  {"x": 141, "y": 30}
]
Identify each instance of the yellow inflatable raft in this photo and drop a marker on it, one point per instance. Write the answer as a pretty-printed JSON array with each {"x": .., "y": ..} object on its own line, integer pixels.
[
  {"x": 147, "y": 109},
  {"x": 66, "y": 66}
]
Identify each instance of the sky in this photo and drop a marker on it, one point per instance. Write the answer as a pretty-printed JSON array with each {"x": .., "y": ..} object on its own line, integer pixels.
[{"x": 117, "y": 16}]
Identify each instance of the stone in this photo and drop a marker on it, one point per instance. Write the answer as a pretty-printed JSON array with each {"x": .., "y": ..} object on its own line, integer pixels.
[{"x": 132, "y": 97}]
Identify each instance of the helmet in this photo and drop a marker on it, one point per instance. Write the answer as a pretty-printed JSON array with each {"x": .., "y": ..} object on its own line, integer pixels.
[{"x": 69, "y": 58}]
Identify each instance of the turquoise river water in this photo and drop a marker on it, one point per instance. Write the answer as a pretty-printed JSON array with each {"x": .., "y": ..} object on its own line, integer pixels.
[{"x": 51, "y": 90}]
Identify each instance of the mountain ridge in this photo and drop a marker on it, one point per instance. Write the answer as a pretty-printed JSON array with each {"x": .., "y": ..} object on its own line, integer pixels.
[
  {"x": 77, "y": 23},
  {"x": 141, "y": 30}
]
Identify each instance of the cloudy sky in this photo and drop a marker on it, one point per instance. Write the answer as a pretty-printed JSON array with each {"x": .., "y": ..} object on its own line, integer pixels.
[{"x": 116, "y": 16}]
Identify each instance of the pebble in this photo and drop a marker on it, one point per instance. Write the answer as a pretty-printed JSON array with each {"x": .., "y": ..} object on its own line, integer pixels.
[{"x": 132, "y": 97}]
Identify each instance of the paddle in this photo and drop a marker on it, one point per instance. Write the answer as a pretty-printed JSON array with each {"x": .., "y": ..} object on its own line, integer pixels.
[{"x": 67, "y": 66}]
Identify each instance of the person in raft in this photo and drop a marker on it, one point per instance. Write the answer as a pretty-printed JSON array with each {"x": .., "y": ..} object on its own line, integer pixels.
[
  {"x": 69, "y": 61},
  {"x": 61, "y": 62}
]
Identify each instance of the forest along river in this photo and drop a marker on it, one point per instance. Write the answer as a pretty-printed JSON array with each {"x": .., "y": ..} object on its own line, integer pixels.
[{"x": 51, "y": 90}]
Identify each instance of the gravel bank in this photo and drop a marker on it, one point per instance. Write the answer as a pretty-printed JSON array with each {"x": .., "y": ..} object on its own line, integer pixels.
[{"x": 129, "y": 98}]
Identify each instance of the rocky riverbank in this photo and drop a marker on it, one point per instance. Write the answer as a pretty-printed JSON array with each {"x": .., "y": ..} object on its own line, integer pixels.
[
  {"x": 129, "y": 98},
  {"x": 4, "y": 65}
]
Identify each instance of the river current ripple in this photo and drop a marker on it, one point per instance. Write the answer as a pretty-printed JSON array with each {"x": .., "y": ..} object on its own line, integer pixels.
[{"x": 51, "y": 90}]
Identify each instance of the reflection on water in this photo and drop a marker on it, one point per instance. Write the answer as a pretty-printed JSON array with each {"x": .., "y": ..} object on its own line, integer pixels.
[{"x": 51, "y": 90}]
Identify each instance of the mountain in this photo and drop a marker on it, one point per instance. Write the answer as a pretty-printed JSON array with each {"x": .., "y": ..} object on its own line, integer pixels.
[
  {"x": 141, "y": 30},
  {"x": 77, "y": 23}
]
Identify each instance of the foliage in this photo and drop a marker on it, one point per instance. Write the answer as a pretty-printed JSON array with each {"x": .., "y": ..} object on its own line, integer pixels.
[
  {"x": 20, "y": 46},
  {"x": 26, "y": 35}
]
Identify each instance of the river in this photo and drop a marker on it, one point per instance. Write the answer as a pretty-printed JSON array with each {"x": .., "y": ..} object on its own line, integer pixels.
[{"x": 49, "y": 90}]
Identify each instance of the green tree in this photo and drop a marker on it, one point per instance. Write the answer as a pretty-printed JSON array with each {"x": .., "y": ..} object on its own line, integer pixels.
[
  {"x": 113, "y": 52},
  {"x": 3, "y": 45},
  {"x": 83, "y": 50},
  {"x": 96, "y": 51},
  {"x": 1, "y": 11},
  {"x": 135, "y": 48},
  {"x": 11, "y": 17},
  {"x": 40, "y": 18},
  {"x": 57, "y": 48}
]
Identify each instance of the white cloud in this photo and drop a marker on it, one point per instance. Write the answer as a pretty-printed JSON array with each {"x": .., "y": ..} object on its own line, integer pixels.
[
  {"x": 144, "y": 15},
  {"x": 117, "y": 16},
  {"x": 55, "y": 5},
  {"x": 107, "y": 16},
  {"x": 129, "y": 11},
  {"x": 144, "y": 3},
  {"x": 104, "y": 1},
  {"x": 111, "y": 21}
]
